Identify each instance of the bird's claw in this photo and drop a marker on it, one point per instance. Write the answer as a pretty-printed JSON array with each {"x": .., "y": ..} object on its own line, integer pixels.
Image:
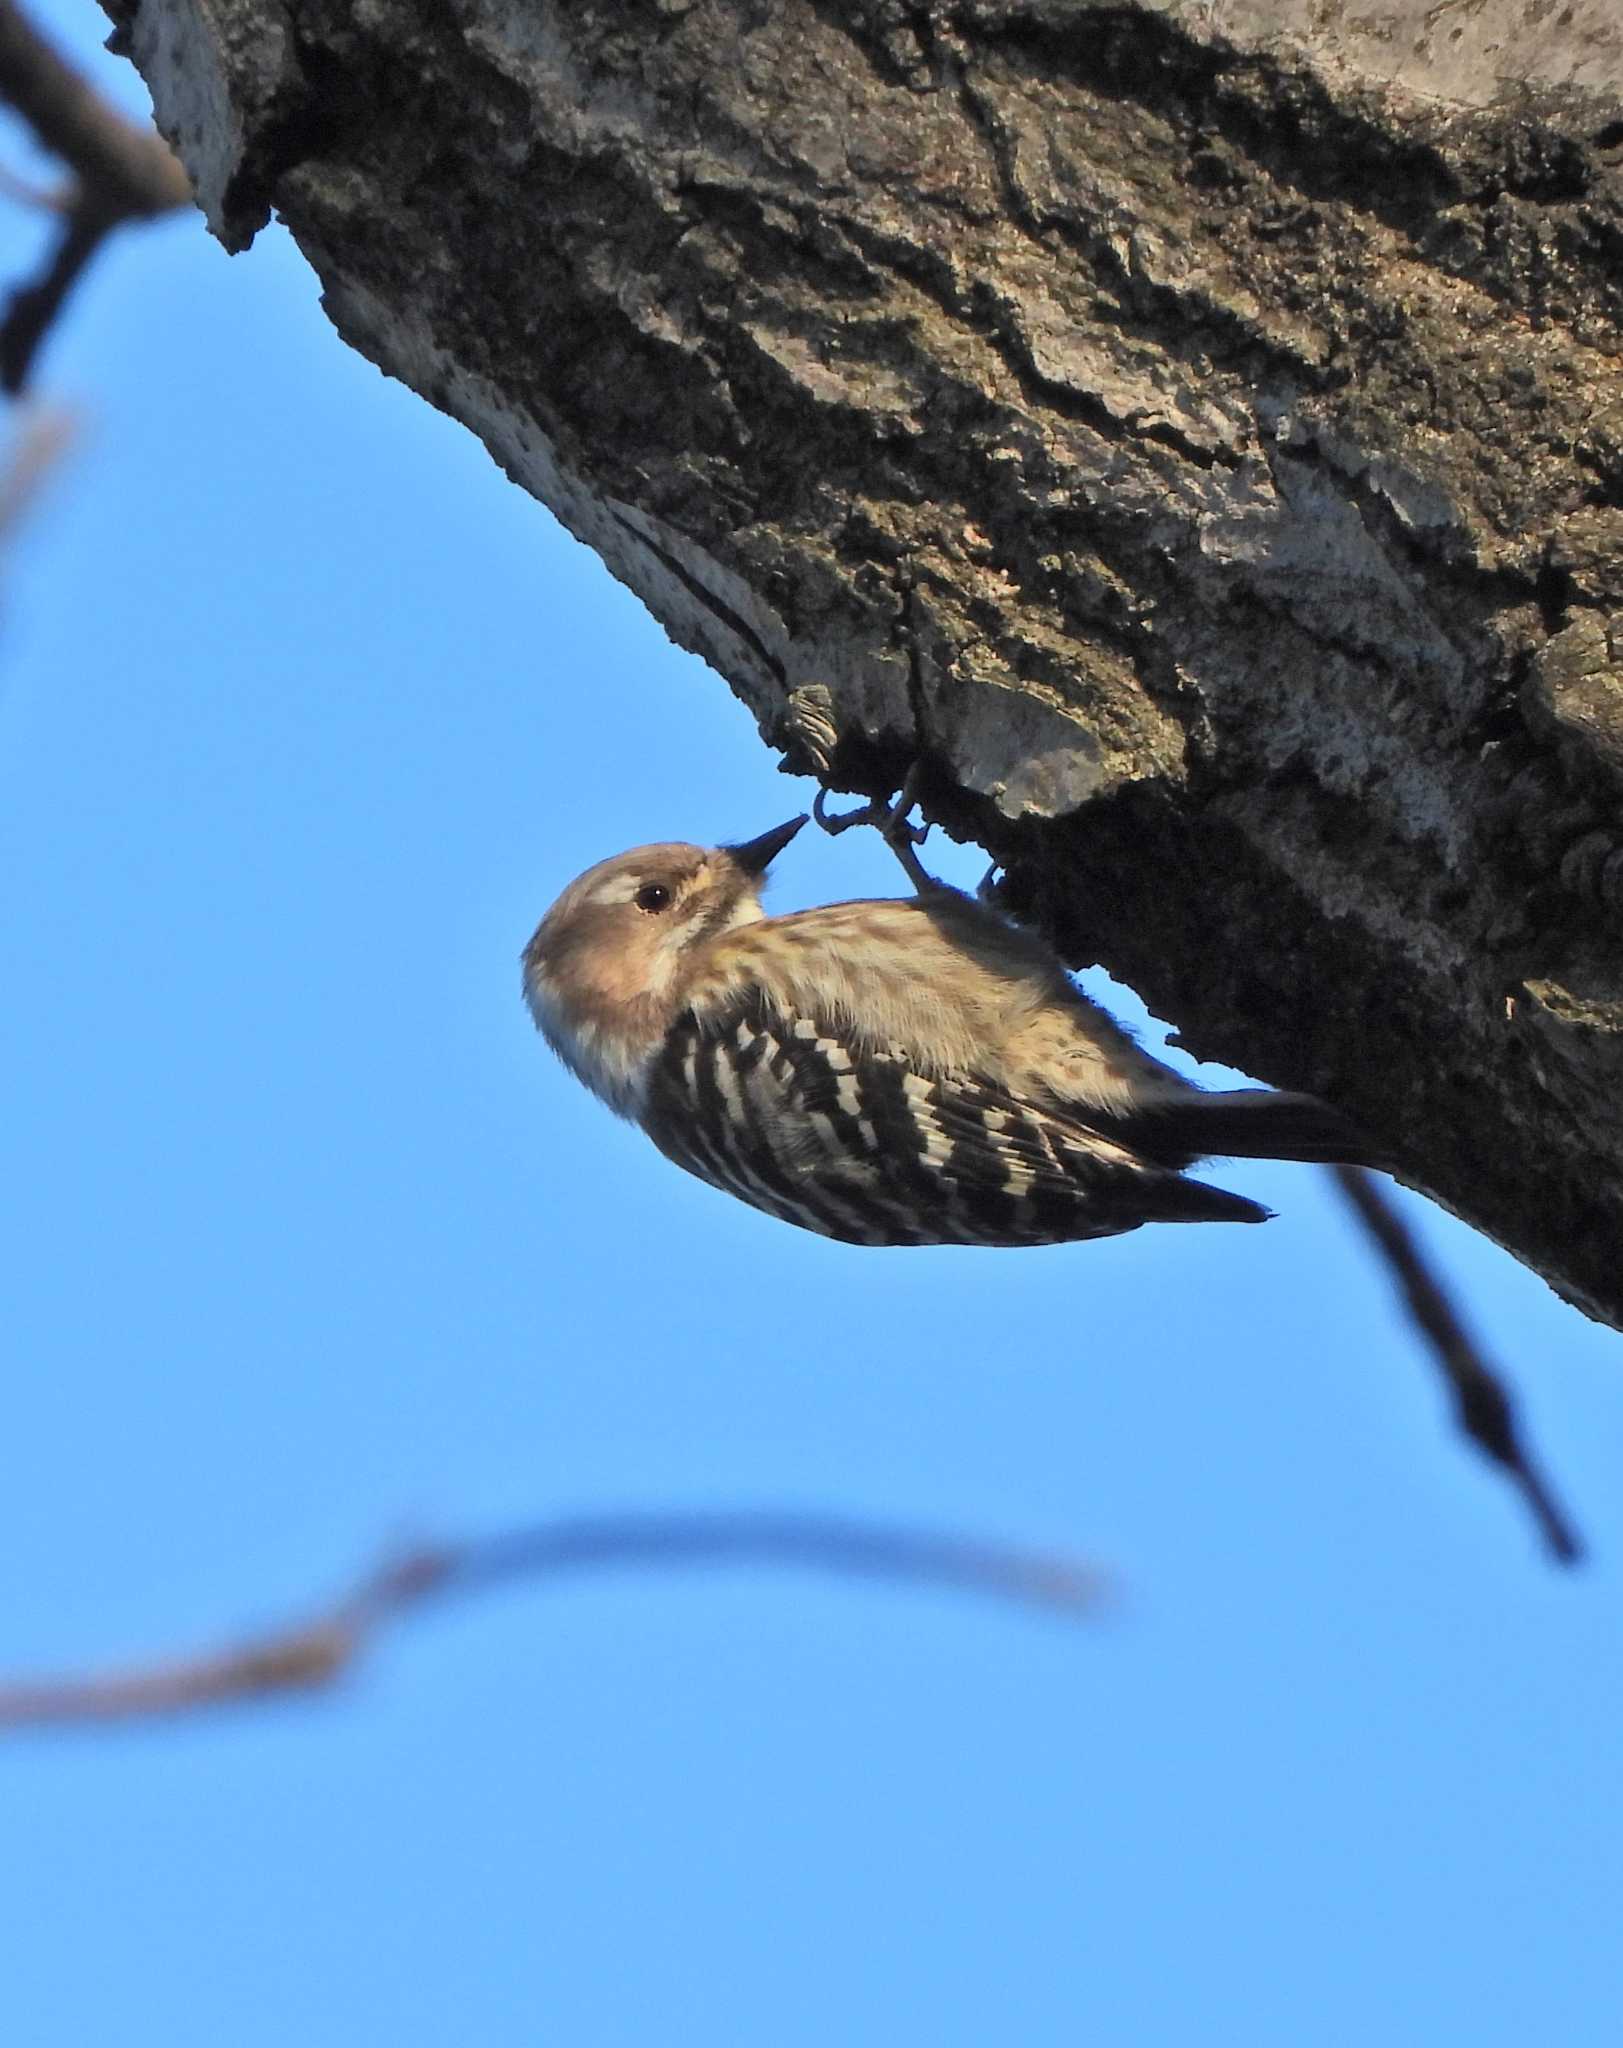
[{"x": 890, "y": 821}]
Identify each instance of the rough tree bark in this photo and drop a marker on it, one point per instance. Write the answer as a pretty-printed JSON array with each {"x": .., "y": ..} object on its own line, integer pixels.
[{"x": 1196, "y": 431}]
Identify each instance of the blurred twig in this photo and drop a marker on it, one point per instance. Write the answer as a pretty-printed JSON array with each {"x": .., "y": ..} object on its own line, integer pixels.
[
  {"x": 1481, "y": 1401},
  {"x": 46, "y": 198},
  {"x": 316, "y": 1652},
  {"x": 43, "y": 433},
  {"x": 122, "y": 171}
]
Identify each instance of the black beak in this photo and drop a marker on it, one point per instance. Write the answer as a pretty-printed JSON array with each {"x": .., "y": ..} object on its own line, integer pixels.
[{"x": 755, "y": 856}]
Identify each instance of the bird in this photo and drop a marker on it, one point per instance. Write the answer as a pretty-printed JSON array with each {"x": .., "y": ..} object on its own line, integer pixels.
[{"x": 903, "y": 1071}]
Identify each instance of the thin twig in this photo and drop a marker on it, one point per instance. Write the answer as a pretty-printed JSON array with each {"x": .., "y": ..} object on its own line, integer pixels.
[
  {"x": 1482, "y": 1403},
  {"x": 123, "y": 171},
  {"x": 33, "y": 308},
  {"x": 317, "y": 1652},
  {"x": 43, "y": 433}
]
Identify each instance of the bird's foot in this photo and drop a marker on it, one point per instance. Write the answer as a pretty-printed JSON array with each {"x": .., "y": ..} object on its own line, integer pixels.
[{"x": 892, "y": 823}]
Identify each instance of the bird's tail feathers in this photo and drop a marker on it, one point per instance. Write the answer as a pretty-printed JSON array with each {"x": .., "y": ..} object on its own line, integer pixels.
[
  {"x": 1172, "y": 1199},
  {"x": 1248, "y": 1123}
]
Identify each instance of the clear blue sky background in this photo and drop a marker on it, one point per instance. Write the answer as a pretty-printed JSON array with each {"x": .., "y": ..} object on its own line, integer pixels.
[{"x": 305, "y": 715}]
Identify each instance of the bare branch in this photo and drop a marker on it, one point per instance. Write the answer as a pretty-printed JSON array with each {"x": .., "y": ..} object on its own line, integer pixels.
[
  {"x": 318, "y": 1652},
  {"x": 128, "y": 166},
  {"x": 34, "y": 307},
  {"x": 123, "y": 171},
  {"x": 1482, "y": 1403},
  {"x": 1098, "y": 410}
]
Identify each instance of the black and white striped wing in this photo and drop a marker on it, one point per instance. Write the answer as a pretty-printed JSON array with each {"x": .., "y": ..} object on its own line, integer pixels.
[{"x": 783, "y": 1113}]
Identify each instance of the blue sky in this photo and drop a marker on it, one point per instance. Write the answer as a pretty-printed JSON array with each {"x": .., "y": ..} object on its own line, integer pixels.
[{"x": 305, "y": 715}]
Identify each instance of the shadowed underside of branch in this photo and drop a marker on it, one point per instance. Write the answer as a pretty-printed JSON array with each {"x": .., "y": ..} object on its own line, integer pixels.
[{"x": 1207, "y": 459}]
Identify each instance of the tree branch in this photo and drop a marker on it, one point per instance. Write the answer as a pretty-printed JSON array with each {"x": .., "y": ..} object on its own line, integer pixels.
[
  {"x": 122, "y": 170},
  {"x": 317, "y": 1652},
  {"x": 126, "y": 164},
  {"x": 33, "y": 309},
  {"x": 1482, "y": 1403},
  {"x": 1205, "y": 456}
]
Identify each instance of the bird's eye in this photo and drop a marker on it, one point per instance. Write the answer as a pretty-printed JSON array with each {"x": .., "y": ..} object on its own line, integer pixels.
[{"x": 652, "y": 896}]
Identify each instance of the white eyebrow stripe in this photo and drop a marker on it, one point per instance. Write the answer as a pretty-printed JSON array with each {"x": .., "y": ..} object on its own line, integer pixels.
[{"x": 618, "y": 889}]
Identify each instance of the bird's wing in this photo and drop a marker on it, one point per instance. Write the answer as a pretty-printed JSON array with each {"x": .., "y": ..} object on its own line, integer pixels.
[{"x": 795, "y": 1116}]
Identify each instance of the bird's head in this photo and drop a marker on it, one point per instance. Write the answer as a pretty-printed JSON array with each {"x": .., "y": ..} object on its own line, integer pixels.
[{"x": 604, "y": 971}]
